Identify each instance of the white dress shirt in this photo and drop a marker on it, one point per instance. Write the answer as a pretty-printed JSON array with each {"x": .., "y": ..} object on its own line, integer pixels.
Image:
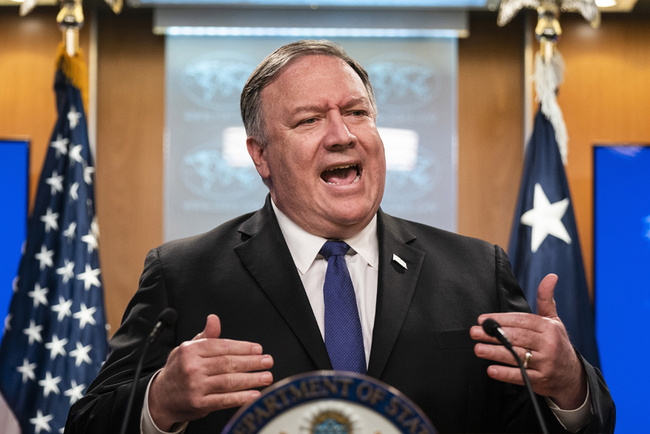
[{"x": 362, "y": 260}]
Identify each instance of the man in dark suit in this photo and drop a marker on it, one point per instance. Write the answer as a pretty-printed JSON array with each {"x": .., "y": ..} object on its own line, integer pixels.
[{"x": 310, "y": 116}]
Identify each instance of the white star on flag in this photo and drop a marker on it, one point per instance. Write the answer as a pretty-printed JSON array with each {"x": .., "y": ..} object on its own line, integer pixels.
[
  {"x": 45, "y": 257},
  {"x": 69, "y": 233},
  {"x": 27, "y": 370},
  {"x": 91, "y": 240},
  {"x": 56, "y": 346},
  {"x": 55, "y": 182},
  {"x": 8, "y": 322},
  {"x": 50, "y": 384},
  {"x": 50, "y": 220},
  {"x": 75, "y": 154},
  {"x": 85, "y": 316},
  {"x": 41, "y": 422},
  {"x": 75, "y": 392},
  {"x": 61, "y": 145},
  {"x": 545, "y": 219},
  {"x": 73, "y": 191},
  {"x": 33, "y": 332},
  {"x": 62, "y": 309},
  {"x": 14, "y": 283},
  {"x": 66, "y": 271},
  {"x": 88, "y": 172},
  {"x": 73, "y": 117},
  {"x": 81, "y": 354},
  {"x": 90, "y": 277},
  {"x": 39, "y": 295}
]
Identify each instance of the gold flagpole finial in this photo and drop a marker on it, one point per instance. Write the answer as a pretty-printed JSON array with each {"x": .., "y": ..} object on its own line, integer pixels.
[
  {"x": 70, "y": 19},
  {"x": 548, "y": 29}
]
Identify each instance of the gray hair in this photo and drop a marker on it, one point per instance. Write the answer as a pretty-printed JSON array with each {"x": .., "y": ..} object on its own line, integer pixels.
[{"x": 250, "y": 102}]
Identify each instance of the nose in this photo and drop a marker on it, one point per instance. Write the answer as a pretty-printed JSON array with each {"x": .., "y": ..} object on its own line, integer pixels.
[{"x": 337, "y": 135}]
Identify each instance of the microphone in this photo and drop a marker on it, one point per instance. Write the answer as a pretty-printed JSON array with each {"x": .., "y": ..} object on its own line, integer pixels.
[
  {"x": 492, "y": 328},
  {"x": 167, "y": 318}
]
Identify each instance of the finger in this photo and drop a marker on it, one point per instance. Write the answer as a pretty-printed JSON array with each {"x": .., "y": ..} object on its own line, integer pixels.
[
  {"x": 212, "y": 328},
  {"x": 219, "y": 347},
  {"x": 220, "y": 401},
  {"x": 515, "y": 320},
  {"x": 518, "y": 337},
  {"x": 545, "y": 301},
  {"x": 237, "y": 364},
  {"x": 510, "y": 375},
  {"x": 478, "y": 334},
  {"x": 498, "y": 353},
  {"x": 227, "y": 383}
]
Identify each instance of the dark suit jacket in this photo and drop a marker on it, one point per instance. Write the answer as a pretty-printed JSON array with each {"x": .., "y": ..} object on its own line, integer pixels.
[{"x": 243, "y": 272}]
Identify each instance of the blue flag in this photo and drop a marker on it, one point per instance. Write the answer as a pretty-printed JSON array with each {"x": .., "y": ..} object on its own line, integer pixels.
[
  {"x": 544, "y": 239},
  {"x": 55, "y": 336}
]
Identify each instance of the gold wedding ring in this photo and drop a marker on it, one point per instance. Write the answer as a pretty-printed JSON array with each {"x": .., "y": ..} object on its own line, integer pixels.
[{"x": 529, "y": 356}]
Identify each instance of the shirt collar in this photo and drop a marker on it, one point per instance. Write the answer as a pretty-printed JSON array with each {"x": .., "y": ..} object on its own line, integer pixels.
[{"x": 304, "y": 246}]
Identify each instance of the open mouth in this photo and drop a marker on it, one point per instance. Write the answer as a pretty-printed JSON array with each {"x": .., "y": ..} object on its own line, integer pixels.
[{"x": 342, "y": 175}]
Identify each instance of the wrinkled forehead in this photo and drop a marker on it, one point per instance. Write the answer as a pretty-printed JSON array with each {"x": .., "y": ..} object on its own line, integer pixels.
[
  {"x": 311, "y": 75},
  {"x": 306, "y": 63}
]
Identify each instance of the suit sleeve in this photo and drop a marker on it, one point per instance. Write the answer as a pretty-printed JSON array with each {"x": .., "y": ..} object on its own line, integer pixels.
[
  {"x": 102, "y": 408},
  {"x": 603, "y": 419}
]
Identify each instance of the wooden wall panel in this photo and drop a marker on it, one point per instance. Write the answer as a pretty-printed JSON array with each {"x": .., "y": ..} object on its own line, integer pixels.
[
  {"x": 605, "y": 99},
  {"x": 28, "y": 47},
  {"x": 130, "y": 122},
  {"x": 490, "y": 127}
]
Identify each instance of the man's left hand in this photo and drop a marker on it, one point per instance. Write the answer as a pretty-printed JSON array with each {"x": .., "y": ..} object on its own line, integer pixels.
[{"x": 554, "y": 368}]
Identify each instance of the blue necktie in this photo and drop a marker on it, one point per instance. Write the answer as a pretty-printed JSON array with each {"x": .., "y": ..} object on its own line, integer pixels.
[{"x": 343, "y": 337}]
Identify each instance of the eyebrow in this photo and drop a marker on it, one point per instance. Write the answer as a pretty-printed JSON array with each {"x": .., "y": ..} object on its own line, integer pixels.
[{"x": 316, "y": 107}]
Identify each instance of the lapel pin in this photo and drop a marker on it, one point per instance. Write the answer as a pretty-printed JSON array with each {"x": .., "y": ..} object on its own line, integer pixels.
[{"x": 400, "y": 261}]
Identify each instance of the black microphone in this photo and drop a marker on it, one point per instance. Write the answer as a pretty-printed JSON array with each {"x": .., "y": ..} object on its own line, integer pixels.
[
  {"x": 167, "y": 318},
  {"x": 492, "y": 328}
]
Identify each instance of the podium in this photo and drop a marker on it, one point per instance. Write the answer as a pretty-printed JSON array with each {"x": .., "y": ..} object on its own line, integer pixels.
[{"x": 330, "y": 402}]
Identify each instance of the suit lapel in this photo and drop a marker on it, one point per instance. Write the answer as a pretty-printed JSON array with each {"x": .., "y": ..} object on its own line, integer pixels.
[
  {"x": 395, "y": 289},
  {"x": 266, "y": 256}
]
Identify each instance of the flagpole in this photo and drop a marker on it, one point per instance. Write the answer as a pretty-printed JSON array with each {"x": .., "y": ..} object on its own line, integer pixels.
[
  {"x": 529, "y": 59},
  {"x": 544, "y": 236},
  {"x": 91, "y": 110}
]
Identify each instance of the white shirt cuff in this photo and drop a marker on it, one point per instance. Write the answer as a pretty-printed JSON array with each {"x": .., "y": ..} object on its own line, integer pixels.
[
  {"x": 573, "y": 420},
  {"x": 147, "y": 425}
]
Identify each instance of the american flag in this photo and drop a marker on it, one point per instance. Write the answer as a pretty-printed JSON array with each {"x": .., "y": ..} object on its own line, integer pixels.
[{"x": 55, "y": 336}]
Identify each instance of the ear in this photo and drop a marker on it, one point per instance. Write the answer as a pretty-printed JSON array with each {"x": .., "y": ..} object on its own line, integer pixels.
[{"x": 258, "y": 153}]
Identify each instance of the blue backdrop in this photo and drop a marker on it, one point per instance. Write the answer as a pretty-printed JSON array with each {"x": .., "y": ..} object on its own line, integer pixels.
[
  {"x": 14, "y": 181},
  {"x": 622, "y": 278}
]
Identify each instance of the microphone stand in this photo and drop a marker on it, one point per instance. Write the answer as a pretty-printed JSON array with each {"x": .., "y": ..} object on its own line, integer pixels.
[
  {"x": 492, "y": 328},
  {"x": 166, "y": 318}
]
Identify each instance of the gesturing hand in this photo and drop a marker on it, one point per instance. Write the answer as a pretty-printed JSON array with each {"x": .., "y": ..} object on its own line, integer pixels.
[
  {"x": 207, "y": 374},
  {"x": 554, "y": 368}
]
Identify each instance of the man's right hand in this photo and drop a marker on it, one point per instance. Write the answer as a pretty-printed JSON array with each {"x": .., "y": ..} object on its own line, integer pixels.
[{"x": 207, "y": 374}]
